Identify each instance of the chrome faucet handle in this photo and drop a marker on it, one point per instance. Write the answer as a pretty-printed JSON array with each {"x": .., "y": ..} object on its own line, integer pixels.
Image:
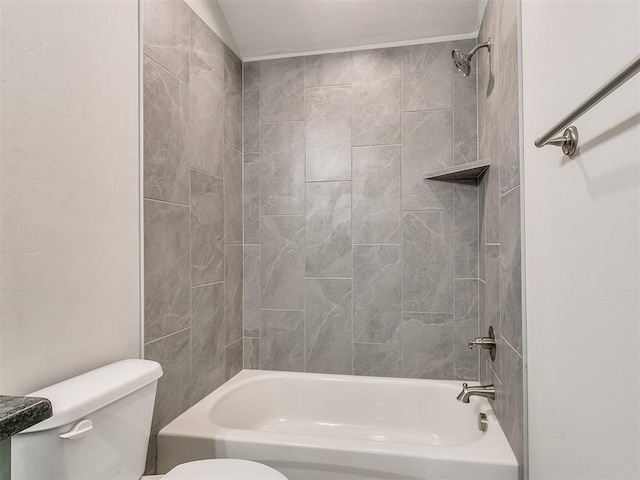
[{"x": 487, "y": 343}]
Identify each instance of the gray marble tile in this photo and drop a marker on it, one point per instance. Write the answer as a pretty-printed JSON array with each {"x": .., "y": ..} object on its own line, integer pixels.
[
  {"x": 508, "y": 53},
  {"x": 328, "y": 327},
  {"x": 328, "y": 133},
  {"x": 376, "y": 112},
  {"x": 251, "y": 158},
  {"x": 282, "y": 340},
  {"x": 232, "y": 99},
  {"x": 250, "y": 76},
  {"x": 232, "y": 196},
  {"x": 282, "y": 90},
  {"x": 282, "y": 168},
  {"x": 206, "y": 44},
  {"x": 251, "y": 295},
  {"x": 466, "y": 229},
  {"x": 482, "y": 153},
  {"x": 510, "y": 270},
  {"x": 206, "y": 90},
  {"x": 173, "y": 393},
  {"x": 428, "y": 345},
  {"x": 465, "y": 119},
  {"x": 377, "y": 195},
  {"x": 282, "y": 262},
  {"x": 509, "y": 155},
  {"x": 166, "y": 135},
  {"x": 482, "y": 330},
  {"x": 207, "y": 340},
  {"x": 376, "y": 360},
  {"x": 251, "y": 120},
  {"x": 166, "y": 35},
  {"x": 427, "y": 259},
  {"x": 251, "y": 353},
  {"x": 466, "y": 328},
  {"x": 376, "y": 97},
  {"x": 233, "y": 359},
  {"x": 251, "y": 103},
  {"x": 492, "y": 290},
  {"x": 510, "y": 398},
  {"x": 491, "y": 202},
  {"x": 251, "y": 200},
  {"x": 482, "y": 228},
  {"x": 166, "y": 269},
  {"x": 327, "y": 69},
  {"x": 377, "y": 64},
  {"x": 427, "y": 146},
  {"x": 233, "y": 261},
  {"x": 488, "y": 67},
  {"x": 377, "y": 293},
  {"x": 328, "y": 227},
  {"x": 426, "y": 77},
  {"x": 492, "y": 305},
  {"x": 207, "y": 257}
]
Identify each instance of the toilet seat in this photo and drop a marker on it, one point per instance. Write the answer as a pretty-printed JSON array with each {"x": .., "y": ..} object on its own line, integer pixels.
[{"x": 223, "y": 469}]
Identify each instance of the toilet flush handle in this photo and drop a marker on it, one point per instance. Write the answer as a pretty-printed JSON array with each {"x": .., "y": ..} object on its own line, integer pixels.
[{"x": 78, "y": 431}]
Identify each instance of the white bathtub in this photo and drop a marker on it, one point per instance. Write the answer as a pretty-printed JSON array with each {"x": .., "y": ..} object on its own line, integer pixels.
[{"x": 316, "y": 426}]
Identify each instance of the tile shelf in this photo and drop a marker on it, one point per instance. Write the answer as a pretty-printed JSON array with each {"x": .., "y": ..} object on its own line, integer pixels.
[{"x": 471, "y": 170}]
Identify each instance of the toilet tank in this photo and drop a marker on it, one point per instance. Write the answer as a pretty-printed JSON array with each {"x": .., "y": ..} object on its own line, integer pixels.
[{"x": 99, "y": 429}]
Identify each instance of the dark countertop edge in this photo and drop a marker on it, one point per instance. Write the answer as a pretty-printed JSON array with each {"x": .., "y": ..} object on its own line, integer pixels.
[{"x": 19, "y": 413}]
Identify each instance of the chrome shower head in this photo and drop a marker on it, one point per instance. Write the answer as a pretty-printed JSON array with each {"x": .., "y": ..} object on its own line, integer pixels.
[{"x": 462, "y": 60}]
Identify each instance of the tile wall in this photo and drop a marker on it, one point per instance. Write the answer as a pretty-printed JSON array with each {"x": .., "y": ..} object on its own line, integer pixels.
[
  {"x": 500, "y": 257},
  {"x": 320, "y": 248},
  {"x": 192, "y": 208},
  {"x": 353, "y": 264}
]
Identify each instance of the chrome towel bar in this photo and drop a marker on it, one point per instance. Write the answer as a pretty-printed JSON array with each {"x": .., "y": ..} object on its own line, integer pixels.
[{"x": 569, "y": 139}]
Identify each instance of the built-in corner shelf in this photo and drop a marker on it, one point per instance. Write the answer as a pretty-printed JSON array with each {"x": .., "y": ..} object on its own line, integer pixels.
[{"x": 466, "y": 171}]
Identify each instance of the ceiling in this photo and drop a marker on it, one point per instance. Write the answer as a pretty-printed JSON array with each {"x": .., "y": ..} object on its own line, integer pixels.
[{"x": 279, "y": 28}]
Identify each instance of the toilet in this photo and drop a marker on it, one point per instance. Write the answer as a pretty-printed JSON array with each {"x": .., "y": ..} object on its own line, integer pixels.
[{"x": 100, "y": 431}]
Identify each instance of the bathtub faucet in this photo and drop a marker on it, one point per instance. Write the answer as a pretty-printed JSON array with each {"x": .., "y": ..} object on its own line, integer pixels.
[{"x": 487, "y": 391}]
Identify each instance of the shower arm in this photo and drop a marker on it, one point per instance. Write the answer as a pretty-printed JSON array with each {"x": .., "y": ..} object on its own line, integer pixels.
[{"x": 479, "y": 46}]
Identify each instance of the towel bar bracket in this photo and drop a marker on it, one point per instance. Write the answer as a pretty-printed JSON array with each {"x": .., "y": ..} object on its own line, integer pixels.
[{"x": 568, "y": 141}]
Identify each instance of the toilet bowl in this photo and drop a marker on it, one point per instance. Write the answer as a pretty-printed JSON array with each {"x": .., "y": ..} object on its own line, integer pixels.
[{"x": 100, "y": 430}]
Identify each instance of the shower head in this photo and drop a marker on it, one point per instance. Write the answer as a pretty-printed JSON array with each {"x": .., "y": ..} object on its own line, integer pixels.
[{"x": 462, "y": 60}]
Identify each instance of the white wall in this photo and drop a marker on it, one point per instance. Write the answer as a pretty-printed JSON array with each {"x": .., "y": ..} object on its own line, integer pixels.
[
  {"x": 69, "y": 204},
  {"x": 582, "y": 242}
]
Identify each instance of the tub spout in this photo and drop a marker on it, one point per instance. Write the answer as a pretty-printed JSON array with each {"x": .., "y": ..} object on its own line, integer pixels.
[{"x": 487, "y": 391}]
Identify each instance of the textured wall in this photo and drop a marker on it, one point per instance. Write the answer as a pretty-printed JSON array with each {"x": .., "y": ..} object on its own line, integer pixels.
[
  {"x": 192, "y": 208},
  {"x": 69, "y": 244},
  {"x": 582, "y": 239},
  {"x": 500, "y": 262},
  {"x": 352, "y": 262}
]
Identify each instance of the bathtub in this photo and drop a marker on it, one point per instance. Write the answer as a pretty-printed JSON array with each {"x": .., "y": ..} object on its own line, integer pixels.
[{"x": 316, "y": 426}]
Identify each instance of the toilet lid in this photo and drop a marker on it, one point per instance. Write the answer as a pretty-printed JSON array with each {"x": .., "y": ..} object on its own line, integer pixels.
[{"x": 223, "y": 468}]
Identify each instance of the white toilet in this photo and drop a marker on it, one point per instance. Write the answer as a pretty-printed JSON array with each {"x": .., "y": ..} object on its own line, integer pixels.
[{"x": 100, "y": 430}]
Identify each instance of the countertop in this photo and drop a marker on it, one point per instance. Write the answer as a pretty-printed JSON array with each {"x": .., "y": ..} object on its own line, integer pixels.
[{"x": 20, "y": 413}]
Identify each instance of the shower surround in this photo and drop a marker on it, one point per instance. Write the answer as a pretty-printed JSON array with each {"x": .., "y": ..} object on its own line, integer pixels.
[
  {"x": 353, "y": 264},
  {"x": 288, "y": 227}
]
